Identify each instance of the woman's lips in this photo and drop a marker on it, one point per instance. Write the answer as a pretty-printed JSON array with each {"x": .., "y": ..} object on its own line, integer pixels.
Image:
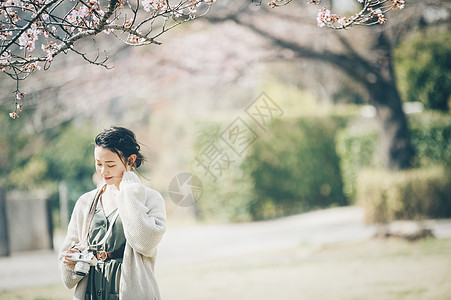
[{"x": 107, "y": 178}]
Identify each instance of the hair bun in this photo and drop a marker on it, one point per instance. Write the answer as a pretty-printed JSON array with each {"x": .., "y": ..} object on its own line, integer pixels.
[{"x": 121, "y": 141}]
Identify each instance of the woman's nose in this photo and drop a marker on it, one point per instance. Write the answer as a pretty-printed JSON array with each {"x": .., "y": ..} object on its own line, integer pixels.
[{"x": 103, "y": 170}]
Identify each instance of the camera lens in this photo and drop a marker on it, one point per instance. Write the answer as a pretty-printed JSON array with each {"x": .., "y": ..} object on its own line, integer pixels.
[
  {"x": 81, "y": 268},
  {"x": 81, "y": 273}
]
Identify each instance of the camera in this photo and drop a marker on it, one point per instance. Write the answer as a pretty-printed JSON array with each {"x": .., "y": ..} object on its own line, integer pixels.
[{"x": 84, "y": 261}]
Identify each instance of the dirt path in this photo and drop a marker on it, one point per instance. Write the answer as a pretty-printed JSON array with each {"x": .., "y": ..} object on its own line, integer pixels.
[{"x": 203, "y": 243}]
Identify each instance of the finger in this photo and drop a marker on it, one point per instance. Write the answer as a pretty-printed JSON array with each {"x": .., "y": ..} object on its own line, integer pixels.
[
  {"x": 68, "y": 262},
  {"x": 69, "y": 265}
]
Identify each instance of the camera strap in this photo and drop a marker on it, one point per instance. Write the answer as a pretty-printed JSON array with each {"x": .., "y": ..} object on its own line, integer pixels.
[
  {"x": 91, "y": 215},
  {"x": 94, "y": 204}
]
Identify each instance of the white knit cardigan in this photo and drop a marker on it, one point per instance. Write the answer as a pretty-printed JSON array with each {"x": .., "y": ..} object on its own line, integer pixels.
[{"x": 143, "y": 215}]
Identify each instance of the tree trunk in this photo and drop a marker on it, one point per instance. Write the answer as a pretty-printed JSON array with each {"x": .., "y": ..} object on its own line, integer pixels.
[
  {"x": 394, "y": 137},
  {"x": 375, "y": 72}
]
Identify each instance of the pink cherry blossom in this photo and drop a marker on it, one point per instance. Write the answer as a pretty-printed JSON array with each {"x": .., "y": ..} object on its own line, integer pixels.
[{"x": 58, "y": 25}]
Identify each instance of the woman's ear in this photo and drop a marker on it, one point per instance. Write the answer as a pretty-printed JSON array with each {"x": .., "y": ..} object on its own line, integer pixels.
[{"x": 131, "y": 160}]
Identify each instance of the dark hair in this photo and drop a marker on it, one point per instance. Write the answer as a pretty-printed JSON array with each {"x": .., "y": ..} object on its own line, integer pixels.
[{"x": 121, "y": 141}]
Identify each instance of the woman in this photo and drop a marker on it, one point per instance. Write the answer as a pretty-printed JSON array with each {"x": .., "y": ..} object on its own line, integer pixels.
[{"x": 117, "y": 226}]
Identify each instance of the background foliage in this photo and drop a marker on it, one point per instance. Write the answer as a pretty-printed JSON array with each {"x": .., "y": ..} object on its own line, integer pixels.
[
  {"x": 415, "y": 194},
  {"x": 42, "y": 161},
  {"x": 423, "y": 66},
  {"x": 293, "y": 167},
  {"x": 306, "y": 162},
  {"x": 226, "y": 198},
  {"x": 431, "y": 137}
]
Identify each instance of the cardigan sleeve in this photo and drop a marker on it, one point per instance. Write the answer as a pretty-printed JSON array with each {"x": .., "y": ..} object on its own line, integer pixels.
[
  {"x": 74, "y": 232},
  {"x": 143, "y": 214}
]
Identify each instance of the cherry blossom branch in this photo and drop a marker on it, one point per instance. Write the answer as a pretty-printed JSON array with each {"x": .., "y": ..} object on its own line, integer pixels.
[
  {"x": 57, "y": 25},
  {"x": 372, "y": 13}
]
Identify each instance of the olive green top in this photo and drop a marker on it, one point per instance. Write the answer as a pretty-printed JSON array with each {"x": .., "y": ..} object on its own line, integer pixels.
[{"x": 103, "y": 281}]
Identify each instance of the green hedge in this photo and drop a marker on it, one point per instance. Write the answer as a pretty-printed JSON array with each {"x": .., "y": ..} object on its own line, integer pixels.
[
  {"x": 431, "y": 138},
  {"x": 295, "y": 168},
  {"x": 423, "y": 69},
  {"x": 357, "y": 151},
  {"x": 226, "y": 197},
  {"x": 410, "y": 195},
  {"x": 291, "y": 167}
]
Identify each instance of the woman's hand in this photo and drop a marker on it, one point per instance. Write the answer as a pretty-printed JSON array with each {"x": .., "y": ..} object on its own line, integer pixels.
[{"x": 69, "y": 263}]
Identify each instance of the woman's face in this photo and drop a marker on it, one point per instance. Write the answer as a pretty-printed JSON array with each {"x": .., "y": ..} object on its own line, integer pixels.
[{"x": 109, "y": 165}]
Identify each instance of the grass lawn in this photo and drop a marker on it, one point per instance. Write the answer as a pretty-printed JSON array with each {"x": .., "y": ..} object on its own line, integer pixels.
[{"x": 372, "y": 269}]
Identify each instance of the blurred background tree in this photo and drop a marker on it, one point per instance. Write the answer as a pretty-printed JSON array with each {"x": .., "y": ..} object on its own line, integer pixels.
[
  {"x": 369, "y": 64},
  {"x": 362, "y": 67}
]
